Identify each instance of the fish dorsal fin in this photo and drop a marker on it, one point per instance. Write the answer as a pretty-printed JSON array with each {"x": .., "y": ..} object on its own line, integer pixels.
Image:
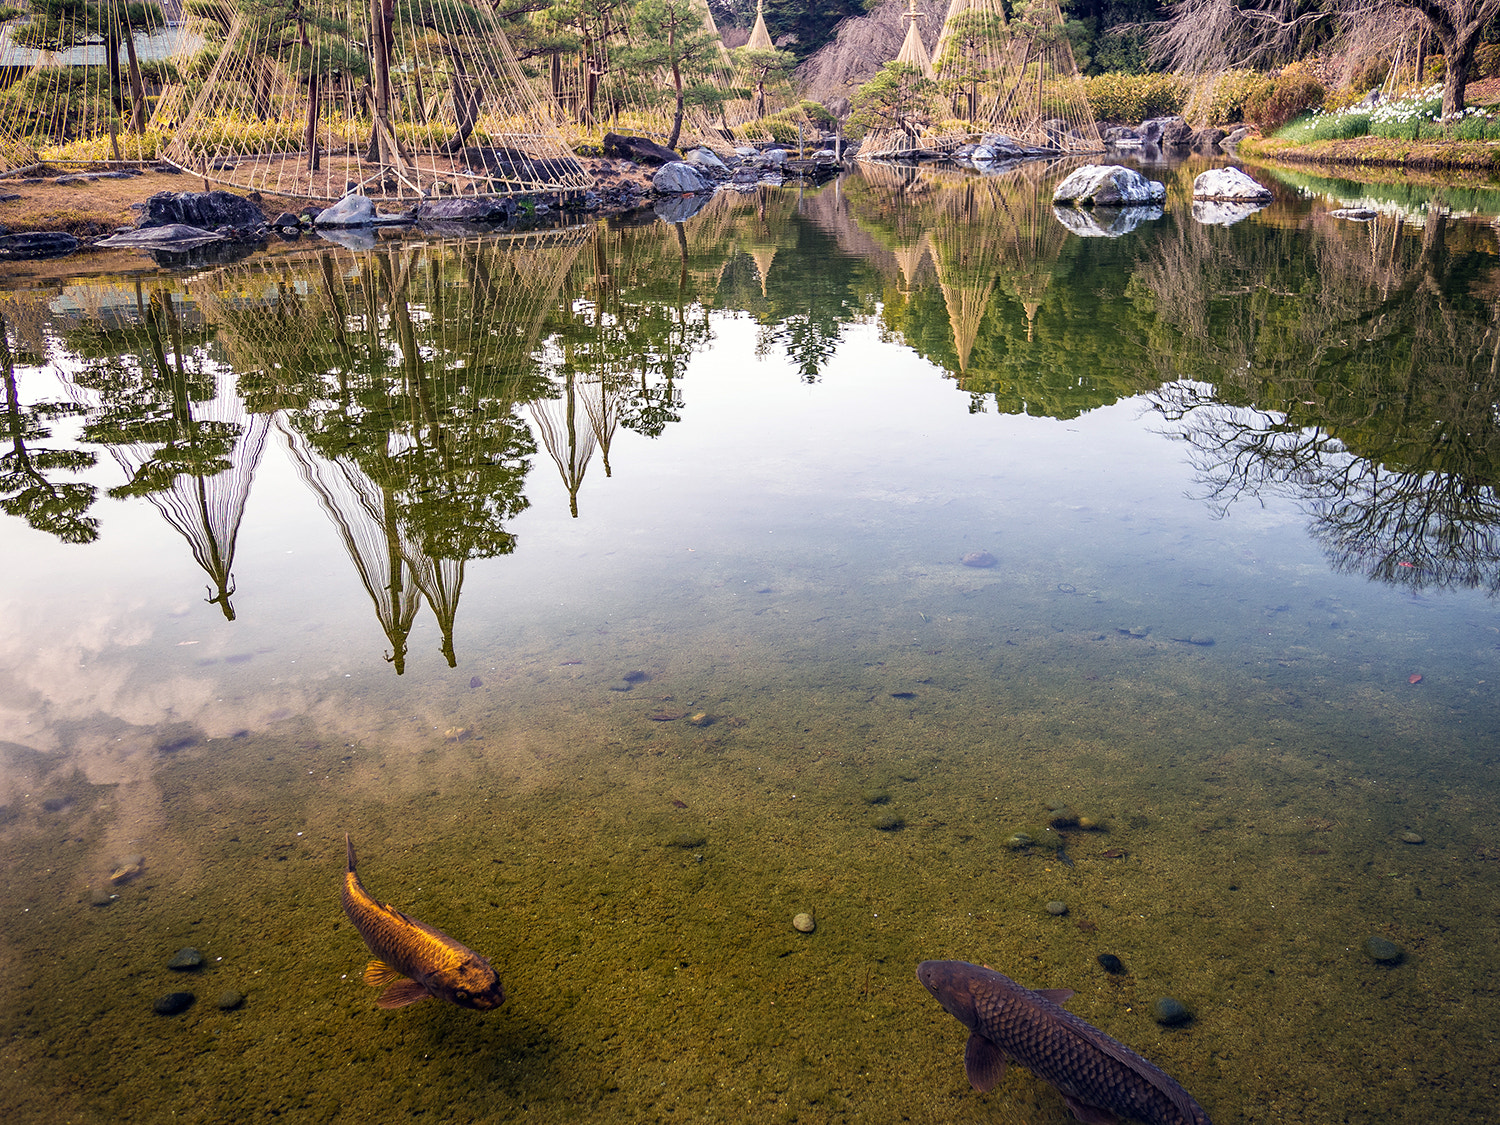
[
  {"x": 983, "y": 1062},
  {"x": 378, "y": 974},
  {"x": 402, "y": 993},
  {"x": 1056, "y": 995}
]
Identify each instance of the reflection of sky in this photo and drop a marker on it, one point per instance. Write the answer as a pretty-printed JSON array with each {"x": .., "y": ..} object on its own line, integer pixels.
[{"x": 877, "y": 478}]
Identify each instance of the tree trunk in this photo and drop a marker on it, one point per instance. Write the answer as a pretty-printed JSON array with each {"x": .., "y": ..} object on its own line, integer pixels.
[
  {"x": 310, "y": 137},
  {"x": 677, "y": 115},
  {"x": 1458, "y": 62},
  {"x": 137, "y": 86},
  {"x": 465, "y": 109},
  {"x": 380, "y": 49}
]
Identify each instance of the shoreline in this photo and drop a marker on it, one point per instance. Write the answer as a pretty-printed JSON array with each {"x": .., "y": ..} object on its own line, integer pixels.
[{"x": 1366, "y": 153}]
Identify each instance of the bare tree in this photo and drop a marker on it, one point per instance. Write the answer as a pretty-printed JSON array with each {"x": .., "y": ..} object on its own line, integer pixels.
[
  {"x": 1457, "y": 25},
  {"x": 1209, "y": 36}
]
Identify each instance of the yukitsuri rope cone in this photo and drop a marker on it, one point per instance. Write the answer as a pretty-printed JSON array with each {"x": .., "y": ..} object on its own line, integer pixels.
[
  {"x": 1039, "y": 97},
  {"x": 1015, "y": 77},
  {"x": 591, "y": 91},
  {"x": 304, "y": 101},
  {"x": 91, "y": 75}
]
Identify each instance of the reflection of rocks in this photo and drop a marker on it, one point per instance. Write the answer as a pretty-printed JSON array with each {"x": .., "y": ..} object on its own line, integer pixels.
[
  {"x": 1105, "y": 222},
  {"x": 1107, "y": 185},
  {"x": 680, "y": 208},
  {"x": 1356, "y": 214},
  {"x": 1215, "y": 213},
  {"x": 1231, "y": 185},
  {"x": 358, "y": 238},
  {"x": 209, "y": 254}
]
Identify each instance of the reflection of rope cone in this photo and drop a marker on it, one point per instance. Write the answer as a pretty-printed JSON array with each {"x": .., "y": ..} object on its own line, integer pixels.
[
  {"x": 763, "y": 257},
  {"x": 362, "y": 512},
  {"x": 204, "y": 508},
  {"x": 569, "y": 444}
]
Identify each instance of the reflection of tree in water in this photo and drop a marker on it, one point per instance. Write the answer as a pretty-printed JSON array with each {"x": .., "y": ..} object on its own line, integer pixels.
[
  {"x": 1357, "y": 371},
  {"x": 1019, "y": 317},
  {"x": 172, "y": 418},
  {"x": 28, "y": 467},
  {"x": 618, "y": 342},
  {"x": 400, "y": 372}
]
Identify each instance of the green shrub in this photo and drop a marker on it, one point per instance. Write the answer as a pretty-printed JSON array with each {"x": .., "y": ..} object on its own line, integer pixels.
[
  {"x": 1132, "y": 98},
  {"x": 1293, "y": 92},
  {"x": 1232, "y": 92},
  {"x": 1436, "y": 67}
]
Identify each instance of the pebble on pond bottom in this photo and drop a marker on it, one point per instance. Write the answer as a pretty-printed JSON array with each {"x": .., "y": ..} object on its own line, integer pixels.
[
  {"x": 1057, "y": 908},
  {"x": 1412, "y": 838},
  {"x": 173, "y": 1003},
  {"x": 185, "y": 959},
  {"x": 1170, "y": 1011},
  {"x": 1111, "y": 963},
  {"x": 229, "y": 1001},
  {"x": 804, "y": 923},
  {"x": 1386, "y": 952}
]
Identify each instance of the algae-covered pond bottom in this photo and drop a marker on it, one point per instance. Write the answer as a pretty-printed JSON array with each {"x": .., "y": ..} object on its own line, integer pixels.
[{"x": 820, "y": 648}]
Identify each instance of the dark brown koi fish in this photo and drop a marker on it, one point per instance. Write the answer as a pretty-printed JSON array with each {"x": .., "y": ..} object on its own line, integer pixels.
[
  {"x": 414, "y": 959},
  {"x": 1100, "y": 1078}
]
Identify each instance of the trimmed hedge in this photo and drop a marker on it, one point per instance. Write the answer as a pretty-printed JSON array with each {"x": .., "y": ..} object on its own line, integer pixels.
[{"x": 1132, "y": 98}]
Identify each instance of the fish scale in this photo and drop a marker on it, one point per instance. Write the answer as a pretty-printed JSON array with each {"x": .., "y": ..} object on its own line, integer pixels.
[{"x": 1098, "y": 1076}]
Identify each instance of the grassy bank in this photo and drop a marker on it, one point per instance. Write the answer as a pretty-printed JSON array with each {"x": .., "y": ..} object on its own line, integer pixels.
[{"x": 1379, "y": 152}]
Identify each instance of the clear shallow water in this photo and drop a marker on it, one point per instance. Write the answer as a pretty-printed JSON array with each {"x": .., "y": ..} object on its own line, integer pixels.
[{"x": 811, "y": 409}]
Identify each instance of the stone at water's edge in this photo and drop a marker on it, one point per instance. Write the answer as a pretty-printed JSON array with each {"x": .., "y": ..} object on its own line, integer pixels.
[
  {"x": 32, "y": 245},
  {"x": 1230, "y": 185},
  {"x": 485, "y": 209},
  {"x": 1108, "y": 185},
  {"x": 203, "y": 209},
  {"x": 679, "y": 177},
  {"x": 708, "y": 160},
  {"x": 351, "y": 211}
]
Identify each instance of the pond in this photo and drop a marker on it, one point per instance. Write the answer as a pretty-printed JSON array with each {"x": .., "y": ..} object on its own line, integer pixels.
[{"x": 888, "y": 553}]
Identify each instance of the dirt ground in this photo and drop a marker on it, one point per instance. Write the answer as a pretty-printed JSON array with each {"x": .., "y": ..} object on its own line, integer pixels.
[{"x": 94, "y": 209}]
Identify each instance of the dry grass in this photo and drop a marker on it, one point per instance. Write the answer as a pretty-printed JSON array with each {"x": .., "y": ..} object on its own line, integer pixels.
[{"x": 94, "y": 209}]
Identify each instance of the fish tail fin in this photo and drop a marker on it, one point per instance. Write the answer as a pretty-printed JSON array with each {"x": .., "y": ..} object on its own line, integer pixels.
[{"x": 349, "y": 848}]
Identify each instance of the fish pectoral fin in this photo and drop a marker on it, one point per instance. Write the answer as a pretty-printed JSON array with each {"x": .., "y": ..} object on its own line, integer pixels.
[
  {"x": 1056, "y": 995},
  {"x": 402, "y": 993},
  {"x": 983, "y": 1062},
  {"x": 1090, "y": 1114},
  {"x": 378, "y": 974}
]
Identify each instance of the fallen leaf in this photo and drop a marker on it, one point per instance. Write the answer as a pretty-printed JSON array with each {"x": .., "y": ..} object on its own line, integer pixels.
[{"x": 1414, "y": 678}]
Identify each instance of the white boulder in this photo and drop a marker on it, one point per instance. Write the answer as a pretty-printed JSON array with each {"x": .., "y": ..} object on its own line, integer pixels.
[
  {"x": 1230, "y": 185},
  {"x": 1108, "y": 185}
]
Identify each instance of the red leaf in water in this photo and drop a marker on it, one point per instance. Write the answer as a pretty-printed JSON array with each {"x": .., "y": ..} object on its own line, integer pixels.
[{"x": 1414, "y": 678}]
